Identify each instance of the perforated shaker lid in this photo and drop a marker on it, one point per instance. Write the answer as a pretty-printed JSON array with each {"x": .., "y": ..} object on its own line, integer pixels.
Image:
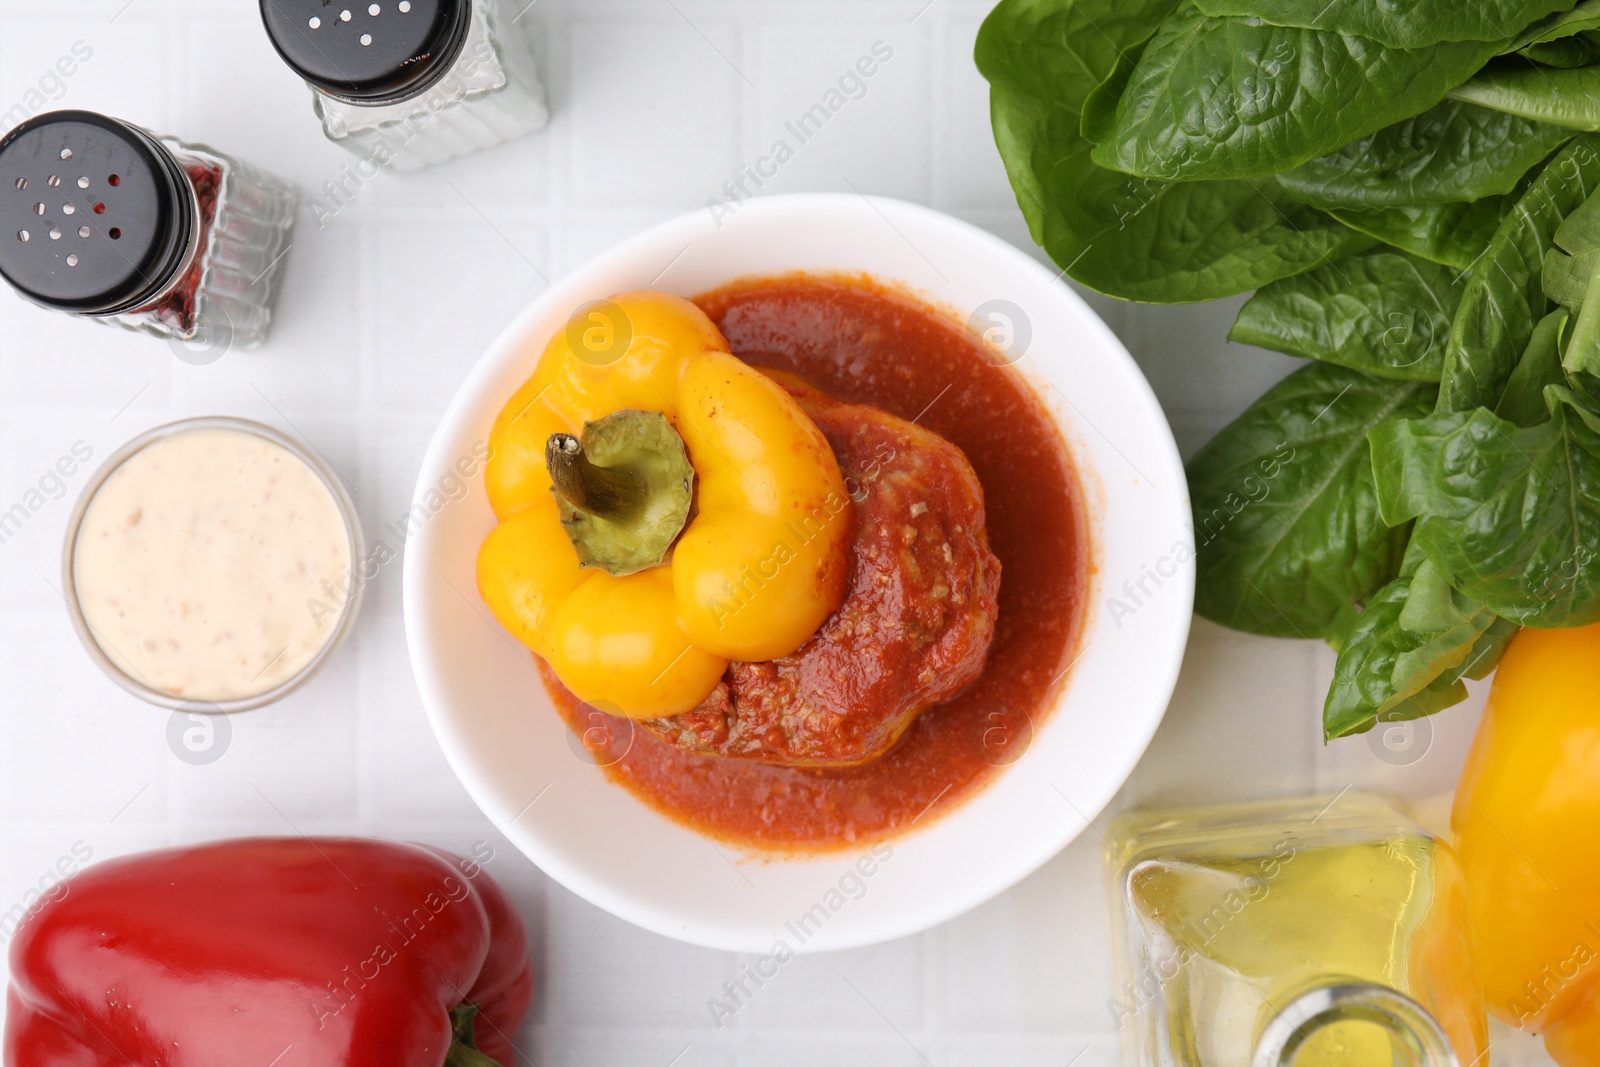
[
  {"x": 95, "y": 216},
  {"x": 368, "y": 51}
]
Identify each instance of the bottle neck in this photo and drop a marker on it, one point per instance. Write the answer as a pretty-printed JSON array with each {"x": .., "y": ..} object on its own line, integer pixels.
[{"x": 1413, "y": 1032}]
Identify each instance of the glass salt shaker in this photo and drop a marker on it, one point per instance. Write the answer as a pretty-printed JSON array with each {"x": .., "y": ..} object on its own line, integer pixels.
[
  {"x": 405, "y": 84},
  {"x": 107, "y": 221},
  {"x": 1306, "y": 933}
]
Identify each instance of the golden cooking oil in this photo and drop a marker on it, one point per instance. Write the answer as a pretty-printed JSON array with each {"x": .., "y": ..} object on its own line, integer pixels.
[{"x": 1322, "y": 932}]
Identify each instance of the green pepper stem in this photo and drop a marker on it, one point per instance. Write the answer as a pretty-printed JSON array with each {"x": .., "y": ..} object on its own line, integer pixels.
[
  {"x": 615, "y": 493},
  {"x": 466, "y": 1056},
  {"x": 463, "y": 1047}
]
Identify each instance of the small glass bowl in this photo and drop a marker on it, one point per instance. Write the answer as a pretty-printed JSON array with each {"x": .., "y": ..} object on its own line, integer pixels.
[{"x": 352, "y": 605}]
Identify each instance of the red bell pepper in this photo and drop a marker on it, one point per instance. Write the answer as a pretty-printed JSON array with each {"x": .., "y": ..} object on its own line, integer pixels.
[{"x": 289, "y": 952}]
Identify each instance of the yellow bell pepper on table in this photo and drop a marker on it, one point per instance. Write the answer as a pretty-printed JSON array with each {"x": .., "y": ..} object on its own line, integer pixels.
[
  {"x": 1527, "y": 826},
  {"x": 639, "y": 423}
]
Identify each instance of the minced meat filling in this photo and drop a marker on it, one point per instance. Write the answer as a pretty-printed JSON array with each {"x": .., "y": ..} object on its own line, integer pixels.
[{"x": 914, "y": 628}]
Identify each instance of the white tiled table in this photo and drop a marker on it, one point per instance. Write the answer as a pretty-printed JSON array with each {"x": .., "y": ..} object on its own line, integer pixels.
[{"x": 387, "y": 304}]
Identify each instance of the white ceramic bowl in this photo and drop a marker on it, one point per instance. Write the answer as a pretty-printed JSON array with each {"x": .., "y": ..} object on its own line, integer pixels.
[{"x": 514, "y": 754}]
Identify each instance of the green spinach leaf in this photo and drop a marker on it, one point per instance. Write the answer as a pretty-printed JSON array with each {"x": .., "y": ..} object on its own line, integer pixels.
[
  {"x": 1510, "y": 515},
  {"x": 1579, "y": 19},
  {"x": 1504, "y": 297},
  {"x": 1568, "y": 98},
  {"x": 1577, "y": 253},
  {"x": 1381, "y": 311},
  {"x": 1454, "y": 234},
  {"x": 1567, "y": 272},
  {"x": 1405, "y": 655},
  {"x": 1100, "y": 107},
  {"x": 1403, "y": 24},
  {"x": 1216, "y": 98},
  {"x": 1287, "y": 531},
  {"x": 1447, "y": 689},
  {"x": 1580, "y": 230},
  {"x": 1566, "y": 277},
  {"x": 1583, "y": 348},
  {"x": 1059, "y": 50},
  {"x": 1523, "y": 400},
  {"x": 1453, "y": 151},
  {"x": 1577, "y": 51},
  {"x": 1131, "y": 237},
  {"x": 1570, "y": 265}
]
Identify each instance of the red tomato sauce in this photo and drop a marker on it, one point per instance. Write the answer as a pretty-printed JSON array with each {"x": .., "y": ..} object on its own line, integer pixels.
[{"x": 867, "y": 344}]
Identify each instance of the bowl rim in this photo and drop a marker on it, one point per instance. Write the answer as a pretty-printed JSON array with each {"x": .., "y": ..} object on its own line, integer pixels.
[
  {"x": 633, "y": 905},
  {"x": 198, "y": 705}
]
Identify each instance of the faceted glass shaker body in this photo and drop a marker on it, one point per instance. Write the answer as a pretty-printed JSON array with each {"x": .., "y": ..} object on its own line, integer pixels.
[
  {"x": 224, "y": 297},
  {"x": 490, "y": 95},
  {"x": 1230, "y": 921}
]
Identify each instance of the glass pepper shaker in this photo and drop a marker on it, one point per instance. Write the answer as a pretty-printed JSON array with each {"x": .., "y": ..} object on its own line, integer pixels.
[
  {"x": 105, "y": 220},
  {"x": 408, "y": 83},
  {"x": 1291, "y": 934}
]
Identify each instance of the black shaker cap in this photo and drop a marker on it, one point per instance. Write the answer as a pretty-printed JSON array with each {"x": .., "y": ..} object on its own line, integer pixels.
[
  {"x": 368, "y": 51},
  {"x": 96, "y": 217}
]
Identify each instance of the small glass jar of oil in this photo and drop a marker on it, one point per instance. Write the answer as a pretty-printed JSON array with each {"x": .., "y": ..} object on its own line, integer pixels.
[{"x": 1322, "y": 932}]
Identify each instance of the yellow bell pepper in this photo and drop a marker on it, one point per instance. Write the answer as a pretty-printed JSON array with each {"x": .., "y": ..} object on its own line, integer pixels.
[
  {"x": 760, "y": 565},
  {"x": 1527, "y": 826}
]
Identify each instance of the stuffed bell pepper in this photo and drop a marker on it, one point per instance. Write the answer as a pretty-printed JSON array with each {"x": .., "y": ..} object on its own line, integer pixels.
[{"x": 664, "y": 508}]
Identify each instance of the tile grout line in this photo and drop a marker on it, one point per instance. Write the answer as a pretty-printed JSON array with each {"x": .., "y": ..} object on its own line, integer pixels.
[{"x": 368, "y": 441}]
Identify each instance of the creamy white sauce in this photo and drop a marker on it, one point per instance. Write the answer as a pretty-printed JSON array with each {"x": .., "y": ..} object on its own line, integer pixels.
[{"x": 201, "y": 559}]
